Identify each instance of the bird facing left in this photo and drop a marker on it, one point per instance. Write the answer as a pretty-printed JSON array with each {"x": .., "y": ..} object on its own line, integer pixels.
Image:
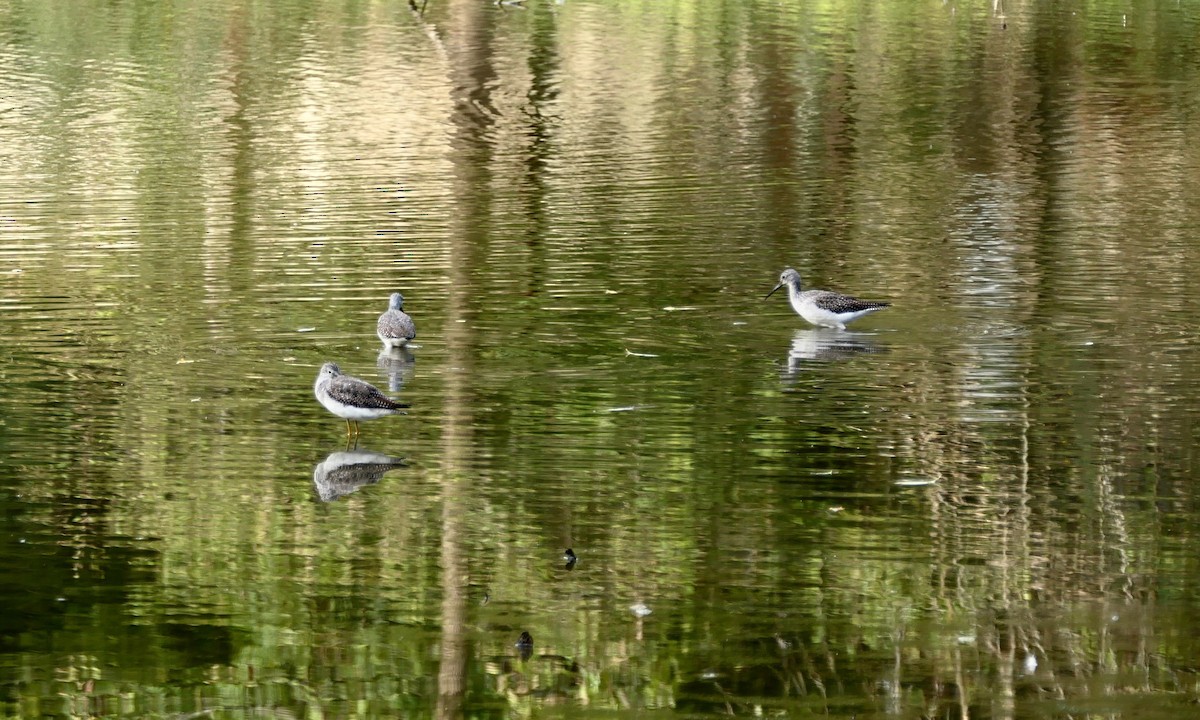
[{"x": 352, "y": 399}]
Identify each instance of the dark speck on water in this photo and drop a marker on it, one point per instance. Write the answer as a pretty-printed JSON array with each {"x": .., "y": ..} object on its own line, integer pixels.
[{"x": 525, "y": 645}]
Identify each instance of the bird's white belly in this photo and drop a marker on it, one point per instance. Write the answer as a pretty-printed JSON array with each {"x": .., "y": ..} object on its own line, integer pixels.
[
  {"x": 395, "y": 342},
  {"x": 356, "y": 413},
  {"x": 817, "y": 316}
]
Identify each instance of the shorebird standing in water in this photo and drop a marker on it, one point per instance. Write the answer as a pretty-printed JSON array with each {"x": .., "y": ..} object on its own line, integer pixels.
[
  {"x": 823, "y": 307},
  {"x": 395, "y": 328},
  {"x": 352, "y": 399}
]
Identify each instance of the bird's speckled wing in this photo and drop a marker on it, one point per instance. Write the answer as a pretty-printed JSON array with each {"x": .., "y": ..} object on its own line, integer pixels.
[
  {"x": 360, "y": 394},
  {"x": 838, "y": 303},
  {"x": 396, "y": 324}
]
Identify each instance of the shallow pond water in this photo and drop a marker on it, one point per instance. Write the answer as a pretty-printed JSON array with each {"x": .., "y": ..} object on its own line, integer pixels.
[{"x": 978, "y": 503}]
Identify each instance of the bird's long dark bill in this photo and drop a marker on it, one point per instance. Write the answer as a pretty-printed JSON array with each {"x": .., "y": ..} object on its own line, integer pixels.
[{"x": 773, "y": 291}]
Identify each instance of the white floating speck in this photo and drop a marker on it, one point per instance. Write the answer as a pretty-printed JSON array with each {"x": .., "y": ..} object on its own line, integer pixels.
[
  {"x": 1030, "y": 664},
  {"x": 915, "y": 482},
  {"x": 629, "y": 352},
  {"x": 965, "y": 639},
  {"x": 305, "y": 329},
  {"x": 673, "y": 308},
  {"x": 640, "y": 609},
  {"x": 195, "y": 400}
]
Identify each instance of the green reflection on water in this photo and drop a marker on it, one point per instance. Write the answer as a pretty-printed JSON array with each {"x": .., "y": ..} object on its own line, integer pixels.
[{"x": 979, "y": 505}]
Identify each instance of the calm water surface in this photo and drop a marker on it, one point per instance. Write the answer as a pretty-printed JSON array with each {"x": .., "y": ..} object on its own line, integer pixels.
[{"x": 979, "y": 503}]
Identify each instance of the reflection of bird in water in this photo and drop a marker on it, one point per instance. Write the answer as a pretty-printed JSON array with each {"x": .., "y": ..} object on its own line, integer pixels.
[
  {"x": 827, "y": 346},
  {"x": 397, "y": 364},
  {"x": 395, "y": 328},
  {"x": 823, "y": 307},
  {"x": 342, "y": 473},
  {"x": 351, "y": 398}
]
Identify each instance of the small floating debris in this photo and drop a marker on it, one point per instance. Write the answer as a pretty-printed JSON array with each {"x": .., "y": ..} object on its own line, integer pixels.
[
  {"x": 1031, "y": 664},
  {"x": 571, "y": 558},
  {"x": 184, "y": 361},
  {"x": 630, "y": 353},
  {"x": 680, "y": 308},
  {"x": 626, "y": 408},
  {"x": 914, "y": 482},
  {"x": 640, "y": 609},
  {"x": 305, "y": 329}
]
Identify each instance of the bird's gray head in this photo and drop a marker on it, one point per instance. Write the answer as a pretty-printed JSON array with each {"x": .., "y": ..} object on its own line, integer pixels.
[
  {"x": 330, "y": 369},
  {"x": 396, "y": 302},
  {"x": 787, "y": 277}
]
